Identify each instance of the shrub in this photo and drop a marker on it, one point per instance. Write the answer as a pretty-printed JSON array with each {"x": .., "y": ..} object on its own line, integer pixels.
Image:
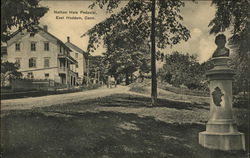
[
  {"x": 240, "y": 101},
  {"x": 139, "y": 87},
  {"x": 91, "y": 86}
]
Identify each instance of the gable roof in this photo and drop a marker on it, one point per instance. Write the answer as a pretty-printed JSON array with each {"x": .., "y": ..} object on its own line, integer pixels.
[
  {"x": 71, "y": 45},
  {"x": 41, "y": 29}
]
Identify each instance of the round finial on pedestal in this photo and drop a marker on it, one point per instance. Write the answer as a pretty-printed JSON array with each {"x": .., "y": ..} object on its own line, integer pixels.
[{"x": 221, "y": 50}]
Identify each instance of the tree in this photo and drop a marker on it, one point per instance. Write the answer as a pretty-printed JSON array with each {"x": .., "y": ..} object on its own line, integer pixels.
[
  {"x": 9, "y": 72},
  {"x": 19, "y": 13},
  {"x": 126, "y": 53},
  {"x": 184, "y": 69},
  {"x": 163, "y": 28},
  {"x": 97, "y": 67},
  {"x": 242, "y": 75}
]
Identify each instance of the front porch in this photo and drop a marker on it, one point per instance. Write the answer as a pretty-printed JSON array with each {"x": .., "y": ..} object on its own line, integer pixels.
[{"x": 66, "y": 73}]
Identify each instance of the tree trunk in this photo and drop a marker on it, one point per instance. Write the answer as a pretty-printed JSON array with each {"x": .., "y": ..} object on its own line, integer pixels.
[
  {"x": 131, "y": 78},
  {"x": 142, "y": 78},
  {"x": 87, "y": 71},
  {"x": 153, "y": 62},
  {"x": 127, "y": 78},
  {"x": 116, "y": 80},
  {"x": 98, "y": 76}
]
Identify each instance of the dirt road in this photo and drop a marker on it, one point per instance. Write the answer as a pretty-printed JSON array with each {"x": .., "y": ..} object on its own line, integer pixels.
[
  {"x": 43, "y": 101},
  {"x": 28, "y": 103}
]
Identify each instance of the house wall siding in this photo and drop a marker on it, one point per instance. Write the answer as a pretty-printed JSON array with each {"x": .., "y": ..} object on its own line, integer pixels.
[
  {"x": 81, "y": 60},
  {"x": 40, "y": 54}
]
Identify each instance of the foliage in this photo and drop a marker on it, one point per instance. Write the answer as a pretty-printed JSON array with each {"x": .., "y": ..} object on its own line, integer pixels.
[
  {"x": 8, "y": 72},
  {"x": 183, "y": 69},
  {"x": 242, "y": 75},
  {"x": 97, "y": 66},
  {"x": 183, "y": 90},
  {"x": 135, "y": 17},
  {"x": 140, "y": 87},
  {"x": 240, "y": 101},
  {"x": 91, "y": 86},
  {"x": 137, "y": 88},
  {"x": 19, "y": 13},
  {"x": 126, "y": 53}
]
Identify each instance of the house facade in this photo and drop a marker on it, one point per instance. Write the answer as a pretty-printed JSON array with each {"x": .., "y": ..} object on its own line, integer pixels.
[
  {"x": 41, "y": 55},
  {"x": 81, "y": 57}
]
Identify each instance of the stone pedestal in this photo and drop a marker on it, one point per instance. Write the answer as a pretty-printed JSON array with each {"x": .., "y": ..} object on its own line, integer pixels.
[{"x": 221, "y": 130}]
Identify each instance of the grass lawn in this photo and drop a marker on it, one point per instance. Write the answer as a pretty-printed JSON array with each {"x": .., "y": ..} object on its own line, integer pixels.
[{"x": 117, "y": 126}]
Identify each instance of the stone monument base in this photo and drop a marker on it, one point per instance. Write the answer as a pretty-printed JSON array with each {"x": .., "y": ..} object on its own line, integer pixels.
[
  {"x": 221, "y": 130},
  {"x": 222, "y": 141}
]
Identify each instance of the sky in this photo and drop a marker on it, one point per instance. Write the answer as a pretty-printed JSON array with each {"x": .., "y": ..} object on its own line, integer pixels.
[{"x": 196, "y": 18}]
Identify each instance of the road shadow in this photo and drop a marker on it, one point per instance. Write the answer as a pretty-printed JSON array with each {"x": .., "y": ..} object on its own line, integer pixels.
[
  {"x": 135, "y": 101},
  {"x": 124, "y": 100}
]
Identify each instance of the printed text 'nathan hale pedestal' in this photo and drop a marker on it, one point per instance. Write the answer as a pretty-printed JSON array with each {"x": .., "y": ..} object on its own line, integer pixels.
[{"x": 74, "y": 15}]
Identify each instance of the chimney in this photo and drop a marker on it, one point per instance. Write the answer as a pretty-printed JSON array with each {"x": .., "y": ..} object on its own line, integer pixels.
[
  {"x": 68, "y": 39},
  {"x": 45, "y": 28}
]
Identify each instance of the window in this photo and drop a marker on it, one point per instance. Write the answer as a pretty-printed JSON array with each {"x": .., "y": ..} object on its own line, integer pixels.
[
  {"x": 46, "y": 75},
  {"x": 46, "y": 62},
  {"x": 32, "y": 34},
  {"x": 3, "y": 50},
  {"x": 46, "y": 46},
  {"x": 32, "y": 62},
  {"x": 18, "y": 47},
  {"x": 33, "y": 46},
  {"x": 60, "y": 49},
  {"x": 76, "y": 55},
  {"x": 30, "y": 75},
  {"x": 18, "y": 62},
  {"x": 77, "y": 66}
]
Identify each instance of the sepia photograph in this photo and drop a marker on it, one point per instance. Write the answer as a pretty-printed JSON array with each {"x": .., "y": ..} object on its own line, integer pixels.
[{"x": 125, "y": 79}]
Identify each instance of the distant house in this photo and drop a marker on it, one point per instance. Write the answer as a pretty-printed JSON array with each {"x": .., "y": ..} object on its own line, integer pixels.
[
  {"x": 41, "y": 55},
  {"x": 81, "y": 57}
]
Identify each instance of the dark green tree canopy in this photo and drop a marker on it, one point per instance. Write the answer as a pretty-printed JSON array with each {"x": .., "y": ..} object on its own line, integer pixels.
[
  {"x": 135, "y": 17},
  {"x": 184, "y": 69},
  {"x": 126, "y": 53},
  {"x": 9, "y": 71},
  {"x": 19, "y": 13}
]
